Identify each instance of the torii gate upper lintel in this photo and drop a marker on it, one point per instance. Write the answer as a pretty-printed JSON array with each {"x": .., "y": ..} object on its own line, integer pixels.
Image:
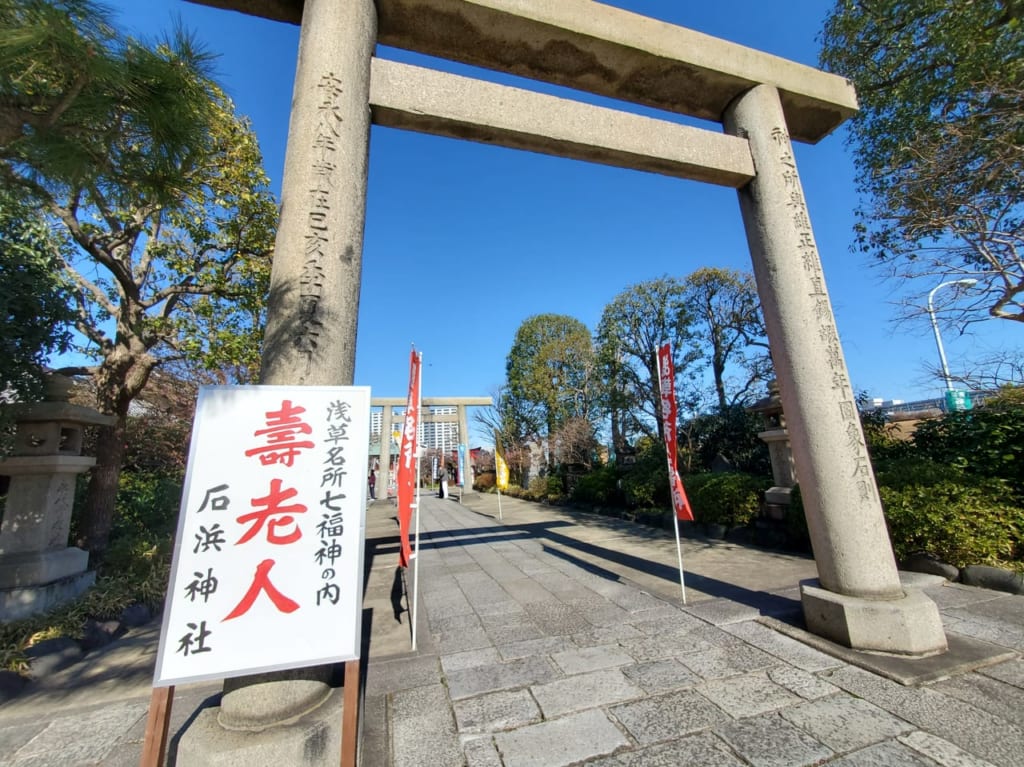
[{"x": 605, "y": 50}]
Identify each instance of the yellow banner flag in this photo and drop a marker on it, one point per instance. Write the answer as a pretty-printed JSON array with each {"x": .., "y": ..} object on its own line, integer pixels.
[{"x": 500, "y": 465}]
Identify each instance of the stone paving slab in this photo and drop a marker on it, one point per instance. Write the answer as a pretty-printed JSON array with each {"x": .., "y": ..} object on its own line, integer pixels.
[
  {"x": 747, "y": 695},
  {"x": 521, "y": 672},
  {"x": 940, "y": 750},
  {"x": 496, "y": 711},
  {"x": 580, "y": 660},
  {"x": 886, "y": 754},
  {"x": 661, "y": 675},
  {"x": 582, "y": 691},
  {"x": 771, "y": 741},
  {"x": 423, "y": 728},
  {"x": 560, "y": 742},
  {"x": 979, "y": 732},
  {"x": 846, "y": 724},
  {"x": 702, "y": 750},
  {"x": 665, "y": 717},
  {"x": 783, "y": 647}
]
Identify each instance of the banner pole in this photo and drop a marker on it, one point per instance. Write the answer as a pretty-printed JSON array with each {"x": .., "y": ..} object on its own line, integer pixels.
[
  {"x": 669, "y": 431},
  {"x": 499, "y": 504},
  {"x": 416, "y": 545},
  {"x": 679, "y": 553}
]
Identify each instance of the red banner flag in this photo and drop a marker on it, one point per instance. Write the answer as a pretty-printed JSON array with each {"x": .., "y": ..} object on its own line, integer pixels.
[
  {"x": 406, "y": 475},
  {"x": 667, "y": 376}
]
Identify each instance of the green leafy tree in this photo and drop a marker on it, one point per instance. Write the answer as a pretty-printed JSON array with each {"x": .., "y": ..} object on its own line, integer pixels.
[
  {"x": 632, "y": 328},
  {"x": 134, "y": 154},
  {"x": 729, "y": 328},
  {"x": 33, "y": 307},
  {"x": 939, "y": 141},
  {"x": 551, "y": 375}
]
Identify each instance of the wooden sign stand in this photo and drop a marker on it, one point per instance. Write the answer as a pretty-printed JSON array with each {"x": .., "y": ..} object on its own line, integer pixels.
[
  {"x": 157, "y": 724},
  {"x": 154, "y": 747}
]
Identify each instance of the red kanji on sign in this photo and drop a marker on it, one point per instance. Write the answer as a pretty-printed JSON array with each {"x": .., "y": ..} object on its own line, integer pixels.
[
  {"x": 267, "y": 507},
  {"x": 283, "y": 428},
  {"x": 261, "y": 582}
]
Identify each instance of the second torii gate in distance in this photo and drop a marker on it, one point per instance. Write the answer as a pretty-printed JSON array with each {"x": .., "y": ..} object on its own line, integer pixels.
[{"x": 461, "y": 418}]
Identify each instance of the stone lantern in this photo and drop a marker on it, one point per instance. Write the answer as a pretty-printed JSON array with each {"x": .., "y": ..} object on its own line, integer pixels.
[
  {"x": 38, "y": 570},
  {"x": 775, "y": 434}
]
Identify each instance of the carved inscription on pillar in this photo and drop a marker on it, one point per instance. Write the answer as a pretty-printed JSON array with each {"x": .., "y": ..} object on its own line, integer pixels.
[
  {"x": 822, "y": 312},
  {"x": 317, "y": 235}
]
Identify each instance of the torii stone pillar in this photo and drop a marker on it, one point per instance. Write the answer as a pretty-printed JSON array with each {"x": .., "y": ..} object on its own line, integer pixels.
[
  {"x": 314, "y": 285},
  {"x": 310, "y": 340},
  {"x": 386, "y": 420},
  {"x": 860, "y": 601},
  {"x": 467, "y": 480}
]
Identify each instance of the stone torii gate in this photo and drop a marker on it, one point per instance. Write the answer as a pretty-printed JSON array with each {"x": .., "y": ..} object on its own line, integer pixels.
[{"x": 763, "y": 102}]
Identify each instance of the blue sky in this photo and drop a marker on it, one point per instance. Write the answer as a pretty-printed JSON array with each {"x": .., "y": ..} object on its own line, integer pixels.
[{"x": 482, "y": 237}]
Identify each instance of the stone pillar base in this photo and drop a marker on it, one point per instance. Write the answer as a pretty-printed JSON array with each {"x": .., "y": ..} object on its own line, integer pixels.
[
  {"x": 34, "y": 568},
  {"x": 21, "y": 602},
  {"x": 907, "y": 626},
  {"x": 313, "y": 740}
]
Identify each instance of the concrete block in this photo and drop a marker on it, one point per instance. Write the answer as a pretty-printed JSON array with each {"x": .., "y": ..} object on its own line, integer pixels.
[
  {"x": 560, "y": 742},
  {"x": 907, "y": 626}
]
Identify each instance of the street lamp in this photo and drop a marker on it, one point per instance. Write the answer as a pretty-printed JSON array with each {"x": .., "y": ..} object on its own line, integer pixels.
[{"x": 935, "y": 325}]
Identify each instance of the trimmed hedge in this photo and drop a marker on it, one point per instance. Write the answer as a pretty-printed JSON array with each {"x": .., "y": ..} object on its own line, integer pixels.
[
  {"x": 730, "y": 498},
  {"x": 963, "y": 519}
]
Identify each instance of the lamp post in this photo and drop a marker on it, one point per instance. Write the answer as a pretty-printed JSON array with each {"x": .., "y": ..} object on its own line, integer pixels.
[{"x": 935, "y": 326}]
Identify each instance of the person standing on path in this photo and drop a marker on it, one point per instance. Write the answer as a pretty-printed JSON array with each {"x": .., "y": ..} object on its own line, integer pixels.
[
  {"x": 372, "y": 482},
  {"x": 443, "y": 478}
]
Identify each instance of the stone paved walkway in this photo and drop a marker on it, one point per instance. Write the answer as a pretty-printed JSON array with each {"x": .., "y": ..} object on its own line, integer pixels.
[
  {"x": 552, "y": 638},
  {"x": 534, "y": 656}
]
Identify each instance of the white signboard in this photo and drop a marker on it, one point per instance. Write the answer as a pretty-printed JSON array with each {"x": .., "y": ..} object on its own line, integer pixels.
[{"x": 268, "y": 563}]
